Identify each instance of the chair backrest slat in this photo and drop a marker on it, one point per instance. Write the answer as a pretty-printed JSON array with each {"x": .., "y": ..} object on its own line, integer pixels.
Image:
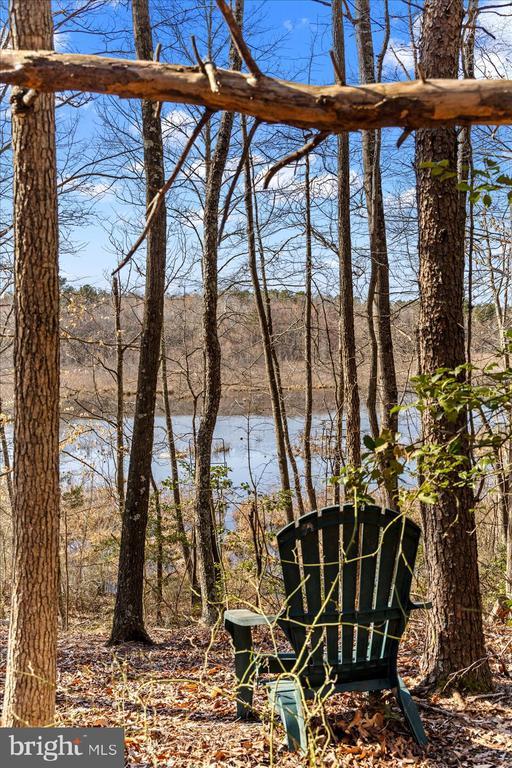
[
  {"x": 349, "y": 570},
  {"x": 289, "y": 554},
  {"x": 401, "y": 588},
  {"x": 331, "y": 519},
  {"x": 368, "y": 565},
  {"x": 357, "y": 562},
  {"x": 388, "y": 551},
  {"x": 308, "y": 532}
]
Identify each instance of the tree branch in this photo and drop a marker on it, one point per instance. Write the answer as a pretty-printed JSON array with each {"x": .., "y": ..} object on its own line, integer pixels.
[
  {"x": 332, "y": 108},
  {"x": 238, "y": 40},
  {"x": 156, "y": 202},
  {"x": 293, "y": 156}
]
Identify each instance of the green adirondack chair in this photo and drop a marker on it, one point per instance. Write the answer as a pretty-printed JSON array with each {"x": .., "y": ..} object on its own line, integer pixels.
[{"x": 347, "y": 577}]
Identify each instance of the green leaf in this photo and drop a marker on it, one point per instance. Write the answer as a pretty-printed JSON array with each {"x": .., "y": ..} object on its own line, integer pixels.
[
  {"x": 427, "y": 497},
  {"x": 369, "y": 442}
]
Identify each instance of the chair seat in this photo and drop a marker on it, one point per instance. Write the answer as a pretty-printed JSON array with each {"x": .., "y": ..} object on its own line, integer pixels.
[{"x": 342, "y": 674}]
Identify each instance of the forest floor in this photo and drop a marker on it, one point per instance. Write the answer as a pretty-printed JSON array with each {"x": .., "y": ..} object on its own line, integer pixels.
[{"x": 175, "y": 702}]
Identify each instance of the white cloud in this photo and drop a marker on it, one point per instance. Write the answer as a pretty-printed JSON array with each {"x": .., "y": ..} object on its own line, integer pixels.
[
  {"x": 290, "y": 25},
  {"x": 493, "y": 47}
]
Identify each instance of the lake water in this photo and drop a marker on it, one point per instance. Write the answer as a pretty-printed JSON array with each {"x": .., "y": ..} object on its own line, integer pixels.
[{"x": 244, "y": 446}]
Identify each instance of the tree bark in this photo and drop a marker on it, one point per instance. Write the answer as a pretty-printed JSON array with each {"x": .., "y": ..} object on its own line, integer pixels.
[
  {"x": 266, "y": 339},
  {"x": 116, "y": 295},
  {"x": 29, "y": 698},
  {"x": 308, "y": 416},
  {"x": 128, "y": 624},
  {"x": 175, "y": 477},
  {"x": 455, "y": 649},
  {"x": 347, "y": 339},
  {"x": 388, "y": 392},
  {"x": 410, "y": 104},
  {"x": 206, "y": 544}
]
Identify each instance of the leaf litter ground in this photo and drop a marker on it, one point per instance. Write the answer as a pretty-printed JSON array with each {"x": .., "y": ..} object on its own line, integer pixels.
[{"x": 175, "y": 701}]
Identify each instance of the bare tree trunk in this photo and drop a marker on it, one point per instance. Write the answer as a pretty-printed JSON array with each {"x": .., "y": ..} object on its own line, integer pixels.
[
  {"x": 120, "y": 395},
  {"x": 159, "y": 591},
  {"x": 175, "y": 478},
  {"x": 307, "y": 349},
  {"x": 266, "y": 338},
  {"x": 455, "y": 650},
  {"x": 29, "y": 698},
  {"x": 383, "y": 347},
  {"x": 128, "y": 624},
  {"x": 275, "y": 360},
  {"x": 205, "y": 532},
  {"x": 6, "y": 462},
  {"x": 347, "y": 339}
]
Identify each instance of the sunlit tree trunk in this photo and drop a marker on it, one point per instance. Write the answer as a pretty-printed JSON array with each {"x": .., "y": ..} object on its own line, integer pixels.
[
  {"x": 308, "y": 414},
  {"x": 30, "y": 685},
  {"x": 347, "y": 340},
  {"x": 116, "y": 295},
  {"x": 455, "y": 650},
  {"x": 379, "y": 307},
  {"x": 275, "y": 359},
  {"x": 205, "y": 533},
  {"x": 6, "y": 461},
  {"x": 175, "y": 478},
  {"x": 128, "y": 621}
]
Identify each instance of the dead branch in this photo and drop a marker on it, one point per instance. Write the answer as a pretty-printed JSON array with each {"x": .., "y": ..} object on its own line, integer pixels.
[
  {"x": 155, "y": 204},
  {"x": 293, "y": 156},
  {"x": 333, "y": 108},
  {"x": 211, "y": 73},
  {"x": 337, "y": 71},
  {"x": 238, "y": 40},
  {"x": 247, "y": 145}
]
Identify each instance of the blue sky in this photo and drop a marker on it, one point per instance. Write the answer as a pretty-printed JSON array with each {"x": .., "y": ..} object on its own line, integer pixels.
[{"x": 289, "y": 38}]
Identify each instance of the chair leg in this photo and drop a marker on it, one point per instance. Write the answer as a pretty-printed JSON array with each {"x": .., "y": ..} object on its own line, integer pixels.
[
  {"x": 286, "y": 698},
  {"x": 245, "y": 669},
  {"x": 410, "y": 712}
]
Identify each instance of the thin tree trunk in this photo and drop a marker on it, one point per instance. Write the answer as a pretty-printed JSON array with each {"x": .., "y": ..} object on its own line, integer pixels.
[
  {"x": 6, "y": 462},
  {"x": 266, "y": 338},
  {"x": 455, "y": 650},
  {"x": 159, "y": 591},
  {"x": 275, "y": 360},
  {"x": 380, "y": 302},
  {"x": 128, "y": 621},
  {"x": 210, "y": 599},
  {"x": 175, "y": 477},
  {"x": 120, "y": 395},
  {"x": 30, "y": 686},
  {"x": 308, "y": 416},
  {"x": 347, "y": 339}
]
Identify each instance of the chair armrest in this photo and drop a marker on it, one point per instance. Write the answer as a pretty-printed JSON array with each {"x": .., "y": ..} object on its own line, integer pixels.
[
  {"x": 242, "y": 617},
  {"x": 416, "y": 606}
]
